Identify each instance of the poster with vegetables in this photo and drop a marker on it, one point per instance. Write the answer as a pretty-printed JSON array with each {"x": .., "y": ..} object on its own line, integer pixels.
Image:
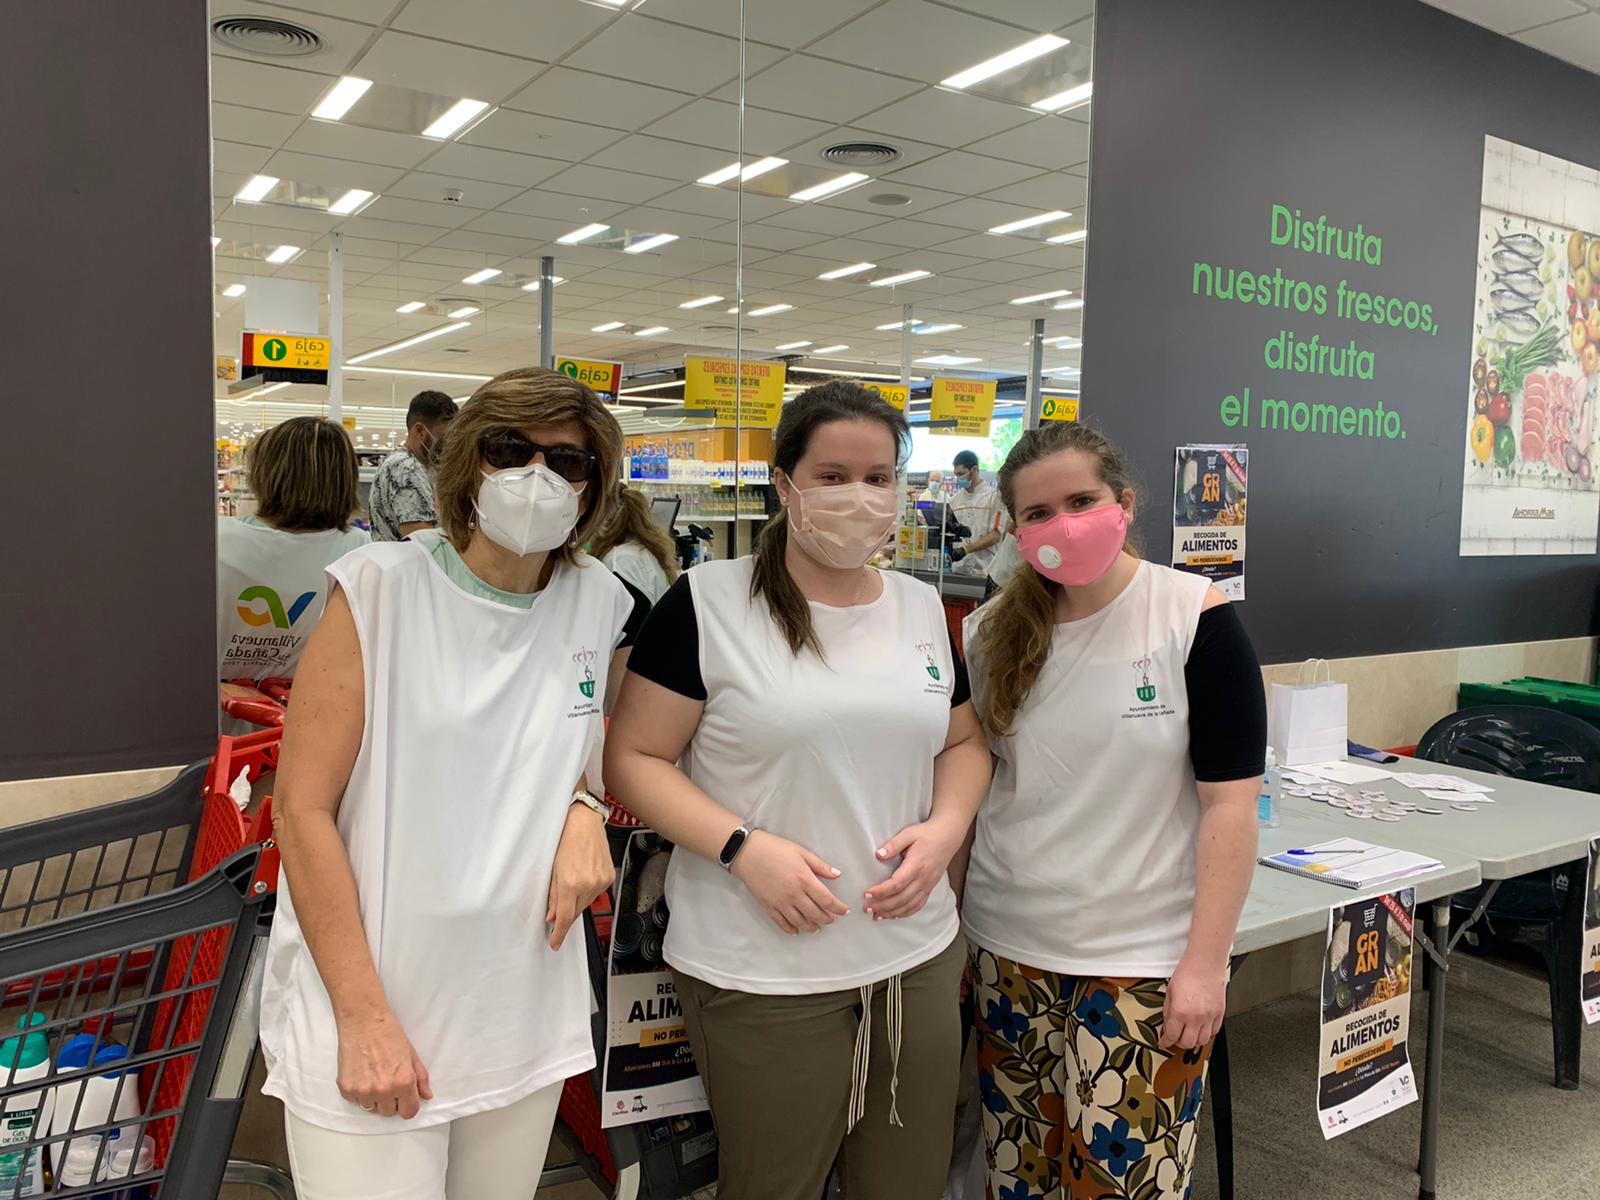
[{"x": 1529, "y": 480}]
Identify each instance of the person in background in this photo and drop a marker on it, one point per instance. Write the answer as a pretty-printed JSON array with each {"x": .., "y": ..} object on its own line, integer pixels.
[
  {"x": 934, "y": 491},
  {"x": 1109, "y": 864},
  {"x": 437, "y": 816},
  {"x": 271, "y": 565},
  {"x": 798, "y": 723},
  {"x": 976, "y": 504},
  {"x": 1007, "y": 558},
  {"x": 401, "y": 501},
  {"x": 634, "y": 546}
]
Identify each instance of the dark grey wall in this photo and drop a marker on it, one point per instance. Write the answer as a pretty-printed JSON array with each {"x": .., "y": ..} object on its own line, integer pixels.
[
  {"x": 107, "y": 581},
  {"x": 1367, "y": 110}
]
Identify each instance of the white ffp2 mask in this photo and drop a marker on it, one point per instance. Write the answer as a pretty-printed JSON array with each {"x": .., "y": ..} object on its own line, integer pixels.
[{"x": 526, "y": 509}]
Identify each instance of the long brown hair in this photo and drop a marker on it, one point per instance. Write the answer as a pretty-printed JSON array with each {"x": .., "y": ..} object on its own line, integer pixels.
[
  {"x": 515, "y": 400},
  {"x": 303, "y": 473},
  {"x": 1014, "y": 636},
  {"x": 836, "y": 400},
  {"x": 631, "y": 521}
]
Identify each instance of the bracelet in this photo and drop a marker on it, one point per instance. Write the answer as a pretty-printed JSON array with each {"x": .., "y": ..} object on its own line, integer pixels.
[{"x": 593, "y": 803}]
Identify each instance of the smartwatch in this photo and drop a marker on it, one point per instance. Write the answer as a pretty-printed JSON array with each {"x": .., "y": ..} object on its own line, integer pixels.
[
  {"x": 592, "y": 802},
  {"x": 734, "y": 844}
]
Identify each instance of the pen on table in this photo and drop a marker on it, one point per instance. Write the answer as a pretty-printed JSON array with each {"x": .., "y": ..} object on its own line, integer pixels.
[{"x": 1306, "y": 853}]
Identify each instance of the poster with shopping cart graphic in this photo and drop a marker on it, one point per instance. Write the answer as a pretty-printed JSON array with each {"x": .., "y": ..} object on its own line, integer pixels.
[
  {"x": 1590, "y": 983},
  {"x": 649, "y": 1070},
  {"x": 1365, "y": 1070}
]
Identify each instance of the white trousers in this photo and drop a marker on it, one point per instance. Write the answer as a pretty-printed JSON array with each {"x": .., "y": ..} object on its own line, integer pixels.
[{"x": 495, "y": 1155}]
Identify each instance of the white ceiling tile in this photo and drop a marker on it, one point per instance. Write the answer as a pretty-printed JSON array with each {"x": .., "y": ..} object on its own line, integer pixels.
[
  {"x": 494, "y": 166},
  {"x": 394, "y": 231},
  {"x": 817, "y": 87},
  {"x": 264, "y": 85},
  {"x": 860, "y": 200},
  {"x": 1036, "y": 16},
  {"x": 715, "y": 124},
  {"x": 454, "y": 262},
  {"x": 558, "y": 206},
  {"x": 718, "y": 202},
  {"x": 916, "y": 234},
  {"x": 775, "y": 22},
  {"x": 1044, "y": 193},
  {"x": 658, "y": 156},
  {"x": 283, "y": 216},
  {"x": 655, "y": 52},
  {"x": 541, "y": 230},
  {"x": 628, "y": 186},
  {"x": 481, "y": 244},
  {"x": 948, "y": 117},
  {"x": 255, "y": 126},
  {"x": 835, "y": 222},
  {"x": 961, "y": 171},
  {"x": 419, "y": 212},
  {"x": 424, "y": 185},
  {"x": 528, "y": 133},
  {"x": 1577, "y": 40},
  {"x": 1509, "y": 16},
  {"x": 341, "y": 40},
  {"x": 230, "y": 158},
  {"x": 335, "y": 140},
  {"x": 428, "y": 65},
  {"x": 373, "y": 12},
  {"x": 976, "y": 215},
  {"x": 597, "y": 99},
  {"x": 683, "y": 224},
  {"x": 924, "y": 40},
  {"x": 910, "y": 151},
  {"x": 1050, "y": 142},
  {"x": 545, "y": 30},
  {"x": 992, "y": 246},
  {"x": 331, "y": 172}
]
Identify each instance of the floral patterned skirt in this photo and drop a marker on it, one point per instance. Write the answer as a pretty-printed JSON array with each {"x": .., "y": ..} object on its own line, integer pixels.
[{"x": 1079, "y": 1100}]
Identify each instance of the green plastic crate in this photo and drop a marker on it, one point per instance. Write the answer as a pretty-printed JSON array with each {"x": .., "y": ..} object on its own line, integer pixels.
[{"x": 1580, "y": 700}]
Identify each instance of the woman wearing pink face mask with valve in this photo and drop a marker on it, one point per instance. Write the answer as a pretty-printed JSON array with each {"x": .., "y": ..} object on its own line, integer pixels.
[
  {"x": 831, "y": 766},
  {"x": 1123, "y": 702}
]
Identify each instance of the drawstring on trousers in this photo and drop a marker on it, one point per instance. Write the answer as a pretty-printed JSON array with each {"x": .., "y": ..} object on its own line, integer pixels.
[{"x": 894, "y": 1020}]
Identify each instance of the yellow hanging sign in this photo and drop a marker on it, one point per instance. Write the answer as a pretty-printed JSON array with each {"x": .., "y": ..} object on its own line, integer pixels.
[
  {"x": 1059, "y": 408},
  {"x": 603, "y": 377},
  {"x": 748, "y": 394},
  {"x": 895, "y": 393},
  {"x": 348, "y": 422},
  {"x": 969, "y": 402}
]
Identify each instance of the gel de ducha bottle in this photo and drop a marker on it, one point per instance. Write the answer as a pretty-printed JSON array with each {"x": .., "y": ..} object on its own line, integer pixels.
[{"x": 23, "y": 1115}]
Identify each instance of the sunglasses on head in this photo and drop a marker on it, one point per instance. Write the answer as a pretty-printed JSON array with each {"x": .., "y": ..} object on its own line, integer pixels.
[{"x": 509, "y": 450}]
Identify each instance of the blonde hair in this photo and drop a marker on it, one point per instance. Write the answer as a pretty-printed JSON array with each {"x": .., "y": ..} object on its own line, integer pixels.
[
  {"x": 1014, "y": 637},
  {"x": 515, "y": 400},
  {"x": 631, "y": 521},
  {"x": 303, "y": 473}
]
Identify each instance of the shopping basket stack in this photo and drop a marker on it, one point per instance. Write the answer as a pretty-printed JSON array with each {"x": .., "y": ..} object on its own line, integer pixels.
[{"x": 131, "y": 939}]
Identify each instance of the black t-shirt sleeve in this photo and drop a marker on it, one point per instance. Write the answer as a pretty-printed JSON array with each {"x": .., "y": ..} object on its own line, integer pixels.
[
  {"x": 961, "y": 688},
  {"x": 667, "y": 650},
  {"x": 636, "y": 617},
  {"x": 1227, "y": 704}
]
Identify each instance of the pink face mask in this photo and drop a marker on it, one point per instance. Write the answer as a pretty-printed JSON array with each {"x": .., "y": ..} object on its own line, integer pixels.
[
  {"x": 1075, "y": 548},
  {"x": 842, "y": 525}
]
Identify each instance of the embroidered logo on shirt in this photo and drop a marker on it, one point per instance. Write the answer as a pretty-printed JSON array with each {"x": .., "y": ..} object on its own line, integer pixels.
[
  {"x": 1146, "y": 691},
  {"x": 585, "y": 663},
  {"x": 275, "y": 614},
  {"x": 927, "y": 653}
]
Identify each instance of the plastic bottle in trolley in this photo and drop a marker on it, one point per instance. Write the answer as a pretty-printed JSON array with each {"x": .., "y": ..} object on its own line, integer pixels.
[
  {"x": 23, "y": 1058},
  {"x": 108, "y": 1099},
  {"x": 1267, "y": 805}
]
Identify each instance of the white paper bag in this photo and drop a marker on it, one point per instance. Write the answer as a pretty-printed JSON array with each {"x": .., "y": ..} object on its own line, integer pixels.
[{"x": 1309, "y": 723}]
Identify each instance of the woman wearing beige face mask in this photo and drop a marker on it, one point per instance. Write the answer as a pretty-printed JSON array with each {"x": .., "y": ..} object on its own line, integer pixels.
[{"x": 831, "y": 766}]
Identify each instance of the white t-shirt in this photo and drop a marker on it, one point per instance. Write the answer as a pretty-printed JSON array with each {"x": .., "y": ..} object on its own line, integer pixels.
[
  {"x": 1083, "y": 860},
  {"x": 982, "y": 511},
  {"x": 271, "y": 588},
  {"x": 640, "y": 568},
  {"x": 836, "y": 755},
  {"x": 480, "y": 718}
]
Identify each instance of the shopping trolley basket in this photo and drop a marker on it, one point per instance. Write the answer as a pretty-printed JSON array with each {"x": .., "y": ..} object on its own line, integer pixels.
[{"x": 141, "y": 926}]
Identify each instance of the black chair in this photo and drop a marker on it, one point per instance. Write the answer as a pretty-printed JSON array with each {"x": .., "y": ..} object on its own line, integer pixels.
[{"x": 1542, "y": 911}]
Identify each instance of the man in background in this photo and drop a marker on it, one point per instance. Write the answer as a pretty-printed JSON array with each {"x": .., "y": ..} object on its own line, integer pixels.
[
  {"x": 934, "y": 492},
  {"x": 978, "y": 506},
  {"x": 401, "y": 501}
]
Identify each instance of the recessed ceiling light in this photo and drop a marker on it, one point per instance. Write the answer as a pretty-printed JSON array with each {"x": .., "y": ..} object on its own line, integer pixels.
[
  {"x": 342, "y": 98},
  {"x": 1035, "y": 299},
  {"x": 455, "y": 119},
  {"x": 233, "y": 289},
  {"x": 271, "y": 387},
  {"x": 410, "y": 306},
  {"x": 406, "y": 343},
  {"x": 830, "y": 349},
  {"x": 896, "y": 325},
  {"x": 768, "y": 309},
  {"x": 1061, "y": 239},
  {"x": 650, "y": 243},
  {"x": 721, "y": 175},
  {"x": 791, "y": 345},
  {"x": 608, "y": 327},
  {"x": 466, "y": 310},
  {"x": 1030, "y": 222},
  {"x": 702, "y": 302},
  {"x": 1065, "y": 343},
  {"x": 651, "y": 331},
  {"x": 482, "y": 276},
  {"x": 1071, "y": 304},
  {"x": 1014, "y": 57},
  {"x": 582, "y": 235},
  {"x": 852, "y": 269},
  {"x": 348, "y": 203},
  {"x": 215, "y": 242},
  {"x": 1062, "y": 101},
  {"x": 829, "y": 186},
  {"x": 555, "y": 281},
  {"x": 257, "y": 187},
  {"x": 283, "y": 254},
  {"x": 903, "y": 277},
  {"x": 948, "y": 360},
  {"x": 920, "y": 330}
]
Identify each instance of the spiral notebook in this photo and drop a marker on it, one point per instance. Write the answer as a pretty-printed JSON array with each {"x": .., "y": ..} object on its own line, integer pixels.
[{"x": 1350, "y": 863}]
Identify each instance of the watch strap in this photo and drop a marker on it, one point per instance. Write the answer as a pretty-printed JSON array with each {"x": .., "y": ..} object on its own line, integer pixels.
[
  {"x": 592, "y": 802},
  {"x": 731, "y": 848}
]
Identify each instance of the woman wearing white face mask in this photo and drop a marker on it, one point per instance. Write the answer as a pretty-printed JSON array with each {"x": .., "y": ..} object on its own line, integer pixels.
[
  {"x": 831, "y": 768},
  {"x": 423, "y": 1002}
]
